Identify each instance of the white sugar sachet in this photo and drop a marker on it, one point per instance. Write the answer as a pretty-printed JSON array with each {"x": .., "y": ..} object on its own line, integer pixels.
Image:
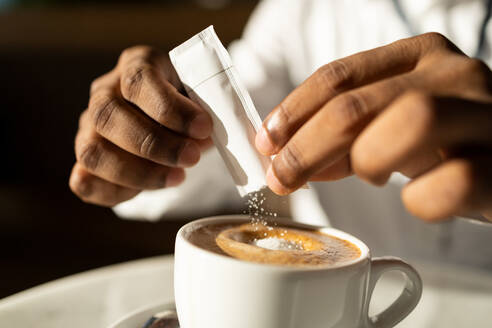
[{"x": 206, "y": 71}]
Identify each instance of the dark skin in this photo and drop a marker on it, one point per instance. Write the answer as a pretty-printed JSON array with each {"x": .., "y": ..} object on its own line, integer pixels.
[
  {"x": 417, "y": 106},
  {"x": 139, "y": 131}
]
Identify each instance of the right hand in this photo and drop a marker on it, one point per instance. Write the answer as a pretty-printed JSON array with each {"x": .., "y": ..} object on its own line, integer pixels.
[{"x": 138, "y": 131}]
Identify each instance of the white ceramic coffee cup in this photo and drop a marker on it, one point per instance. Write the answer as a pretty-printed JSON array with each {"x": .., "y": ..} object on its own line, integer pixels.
[{"x": 216, "y": 291}]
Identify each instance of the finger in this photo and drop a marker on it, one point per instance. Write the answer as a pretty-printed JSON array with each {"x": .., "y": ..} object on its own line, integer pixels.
[
  {"x": 457, "y": 186},
  {"x": 92, "y": 189},
  {"x": 335, "y": 78},
  {"x": 328, "y": 135},
  {"x": 423, "y": 161},
  {"x": 145, "y": 84},
  {"x": 128, "y": 128},
  {"x": 337, "y": 171},
  {"x": 417, "y": 122},
  {"x": 455, "y": 74},
  {"x": 109, "y": 80},
  {"x": 205, "y": 144},
  {"x": 109, "y": 162},
  {"x": 152, "y": 56}
]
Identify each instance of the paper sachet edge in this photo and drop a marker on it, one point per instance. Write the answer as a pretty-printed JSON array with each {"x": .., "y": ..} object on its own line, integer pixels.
[{"x": 209, "y": 38}]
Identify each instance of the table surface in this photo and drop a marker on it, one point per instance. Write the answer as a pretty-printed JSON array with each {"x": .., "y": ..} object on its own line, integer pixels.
[{"x": 453, "y": 297}]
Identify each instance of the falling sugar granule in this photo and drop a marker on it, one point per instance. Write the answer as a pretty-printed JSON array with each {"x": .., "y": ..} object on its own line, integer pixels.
[
  {"x": 258, "y": 210},
  {"x": 263, "y": 219}
]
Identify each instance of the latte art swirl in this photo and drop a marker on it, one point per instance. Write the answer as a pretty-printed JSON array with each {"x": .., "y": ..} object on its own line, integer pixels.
[
  {"x": 295, "y": 247},
  {"x": 276, "y": 245}
]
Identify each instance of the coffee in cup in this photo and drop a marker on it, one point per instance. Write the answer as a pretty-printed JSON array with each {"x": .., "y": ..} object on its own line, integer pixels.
[
  {"x": 273, "y": 244},
  {"x": 287, "y": 275}
]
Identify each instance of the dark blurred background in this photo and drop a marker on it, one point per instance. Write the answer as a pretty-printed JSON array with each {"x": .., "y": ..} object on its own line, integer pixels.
[{"x": 50, "y": 51}]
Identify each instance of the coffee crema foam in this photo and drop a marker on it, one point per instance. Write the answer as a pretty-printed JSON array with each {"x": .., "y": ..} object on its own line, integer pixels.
[{"x": 279, "y": 245}]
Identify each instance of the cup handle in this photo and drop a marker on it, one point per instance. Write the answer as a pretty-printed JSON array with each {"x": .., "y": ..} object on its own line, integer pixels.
[{"x": 408, "y": 298}]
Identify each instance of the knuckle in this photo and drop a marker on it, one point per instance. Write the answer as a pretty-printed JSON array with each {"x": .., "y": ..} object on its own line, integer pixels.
[
  {"x": 102, "y": 107},
  {"x": 434, "y": 40},
  {"x": 139, "y": 51},
  {"x": 133, "y": 78},
  {"x": 283, "y": 115},
  {"x": 293, "y": 166},
  {"x": 335, "y": 75},
  {"x": 293, "y": 157},
  {"x": 127, "y": 53},
  {"x": 476, "y": 68},
  {"x": 89, "y": 154},
  {"x": 81, "y": 185},
  {"x": 475, "y": 78},
  {"x": 95, "y": 85},
  {"x": 278, "y": 125},
  {"x": 148, "y": 145},
  {"x": 165, "y": 107},
  {"x": 435, "y": 37},
  {"x": 349, "y": 111},
  {"x": 101, "y": 81}
]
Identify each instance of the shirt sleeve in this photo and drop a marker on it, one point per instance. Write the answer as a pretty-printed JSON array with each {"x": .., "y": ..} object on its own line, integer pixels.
[{"x": 208, "y": 187}]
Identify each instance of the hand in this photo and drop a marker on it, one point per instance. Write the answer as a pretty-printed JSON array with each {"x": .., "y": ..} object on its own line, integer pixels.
[
  {"x": 138, "y": 131},
  {"x": 418, "y": 106}
]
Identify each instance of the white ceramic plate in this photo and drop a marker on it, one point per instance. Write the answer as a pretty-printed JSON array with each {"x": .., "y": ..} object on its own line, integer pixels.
[{"x": 139, "y": 317}]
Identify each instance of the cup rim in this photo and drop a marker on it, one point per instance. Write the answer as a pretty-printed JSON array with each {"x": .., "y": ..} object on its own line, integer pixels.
[{"x": 365, "y": 252}]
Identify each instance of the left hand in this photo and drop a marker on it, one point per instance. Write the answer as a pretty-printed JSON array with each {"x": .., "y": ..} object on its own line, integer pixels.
[{"x": 418, "y": 106}]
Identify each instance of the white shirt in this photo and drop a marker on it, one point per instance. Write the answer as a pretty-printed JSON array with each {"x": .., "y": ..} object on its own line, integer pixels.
[{"x": 284, "y": 42}]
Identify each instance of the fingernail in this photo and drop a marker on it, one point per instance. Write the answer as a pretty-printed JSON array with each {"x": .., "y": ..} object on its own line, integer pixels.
[
  {"x": 200, "y": 127},
  {"x": 175, "y": 177},
  {"x": 263, "y": 142},
  {"x": 189, "y": 155},
  {"x": 274, "y": 183}
]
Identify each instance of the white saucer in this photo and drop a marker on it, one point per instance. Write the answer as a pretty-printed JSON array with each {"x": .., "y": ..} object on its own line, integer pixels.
[
  {"x": 453, "y": 297},
  {"x": 139, "y": 317}
]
